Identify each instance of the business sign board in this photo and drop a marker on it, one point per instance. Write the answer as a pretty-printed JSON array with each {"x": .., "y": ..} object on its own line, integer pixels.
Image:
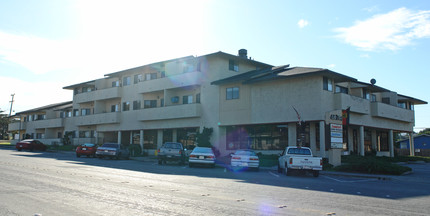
[{"x": 336, "y": 136}]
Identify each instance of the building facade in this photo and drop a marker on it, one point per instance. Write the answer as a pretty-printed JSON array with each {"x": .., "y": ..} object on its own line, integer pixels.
[{"x": 248, "y": 104}]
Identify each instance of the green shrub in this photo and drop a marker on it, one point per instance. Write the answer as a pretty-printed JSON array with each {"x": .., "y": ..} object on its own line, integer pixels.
[
  {"x": 371, "y": 165},
  {"x": 135, "y": 150},
  {"x": 268, "y": 160}
]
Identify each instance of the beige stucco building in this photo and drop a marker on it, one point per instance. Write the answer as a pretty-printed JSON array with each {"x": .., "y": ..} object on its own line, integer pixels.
[{"x": 248, "y": 104}]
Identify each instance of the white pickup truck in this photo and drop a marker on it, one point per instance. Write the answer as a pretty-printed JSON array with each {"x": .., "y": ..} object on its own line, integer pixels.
[{"x": 299, "y": 158}]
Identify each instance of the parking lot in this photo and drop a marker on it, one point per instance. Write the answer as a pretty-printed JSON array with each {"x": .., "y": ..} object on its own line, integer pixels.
[{"x": 47, "y": 180}]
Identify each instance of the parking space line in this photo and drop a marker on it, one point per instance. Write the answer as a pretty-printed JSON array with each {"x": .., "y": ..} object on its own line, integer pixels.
[
  {"x": 338, "y": 180},
  {"x": 273, "y": 174}
]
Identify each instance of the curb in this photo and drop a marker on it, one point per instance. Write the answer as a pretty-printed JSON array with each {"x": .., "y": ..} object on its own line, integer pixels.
[{"x": 356, "y": 175}]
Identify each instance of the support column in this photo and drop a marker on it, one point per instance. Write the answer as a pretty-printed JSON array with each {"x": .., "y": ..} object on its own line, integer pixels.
[
  {"x": 159, "y": 138},
  {"x": 174, "y": 135},
  {"x": 313, "y": 137},
  {"x": 350, "y": 140},
  {"x": 141, "y": 140},
  {"x": 374, "y": 141},
  {"x": 292, "y": 134},
  {"x": 119, "y": 137},
  {"x": 411, "y": 144},
  {"x": 131, "y": 137},
  {"x": 361, "y": 141},
  {"x": 322, "y": 139},
  {"x": 391, "y": 143}
]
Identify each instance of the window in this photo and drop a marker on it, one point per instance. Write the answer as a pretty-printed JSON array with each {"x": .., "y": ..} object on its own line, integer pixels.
[
  {"x": 69, "y": 114},
  {"x": 175, "y": 99},
  {"x": 401, "y": 105},
  {"x": 188, "y": 68},
  {"x": 162, "y": 102},
  {"x": 76, "y": 112},
  {"x": 327, "y": 84},
  {"x": 366, "y": 94},
  {"x": 126, "y": 106},
  {"x": 341, "y": 89},
  {"x": 198, "y": 98},
  {"x": 137, "y": 78},
  {"x": 232, "y": 65},
  {"x": 115, "y": 83},
  {"x": 136, "y": 105},
  {"x": 386, "y": 100},
  {"x": 126, "y": 81},
  {"x": 150, "y": 103},
  {"x": 62, "y": 114},
  {"x": 114, "y": 108},
  {"x": 85, "y": 112},
  {"x": 163, "y": 74},
  {"x": 150, "y": 76},
  {"x": 188, "y": 99},
  {"x": 373, "y": 97},
  {"x": 232, "y": 93}
]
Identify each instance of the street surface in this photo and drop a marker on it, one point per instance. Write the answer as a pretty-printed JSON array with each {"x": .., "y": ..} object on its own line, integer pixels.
[{"x": 58, "y": 183}]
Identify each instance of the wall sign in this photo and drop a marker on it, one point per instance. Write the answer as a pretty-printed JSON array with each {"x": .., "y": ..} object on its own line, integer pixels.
[{"x": 336, "y": 136}]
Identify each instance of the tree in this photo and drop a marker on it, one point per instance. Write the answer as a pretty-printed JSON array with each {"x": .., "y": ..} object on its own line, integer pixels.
[
  {"x": 4, "y": 122},
  {"x": 425, "y": 131},
  {"x": 203, "y": 138}
]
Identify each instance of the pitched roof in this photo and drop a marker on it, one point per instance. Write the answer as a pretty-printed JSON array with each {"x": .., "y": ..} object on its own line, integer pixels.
[
  {"x": 51, "y": 106},
  {"x": 282, "y": 72}
]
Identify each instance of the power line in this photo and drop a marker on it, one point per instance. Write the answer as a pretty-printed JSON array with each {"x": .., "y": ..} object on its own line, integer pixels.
[{"x": 11, "y": 104}]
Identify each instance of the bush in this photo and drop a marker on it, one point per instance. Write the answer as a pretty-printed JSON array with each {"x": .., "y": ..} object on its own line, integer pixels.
[
  {"x": 135, "y": 150},
  {"x": 268, "y": 160},
  {"x": 371, "y": 165}
]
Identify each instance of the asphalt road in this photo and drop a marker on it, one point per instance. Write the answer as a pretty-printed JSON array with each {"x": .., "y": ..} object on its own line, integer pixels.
[{"x": 52, "y": 183}]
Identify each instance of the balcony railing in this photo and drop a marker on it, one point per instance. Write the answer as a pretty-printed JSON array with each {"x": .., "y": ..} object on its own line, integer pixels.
[
  {"x": 170, "y": 112},
  {"x": 101, "y": 94},
  {"x": 49, "y": 123},
  {"x": 357, "y": 104},
  {"x": 392, "y": 112},
  {"x": 15, "y": 126},
  {"x": 175, "y": 81},
  {"x": 96, "y": 119}
]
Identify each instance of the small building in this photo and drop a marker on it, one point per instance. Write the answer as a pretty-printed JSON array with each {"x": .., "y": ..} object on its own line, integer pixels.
[{"x": 421, "y": 145}]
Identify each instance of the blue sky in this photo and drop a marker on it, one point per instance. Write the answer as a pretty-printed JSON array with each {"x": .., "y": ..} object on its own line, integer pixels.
[{"x": 48, "y": 44}]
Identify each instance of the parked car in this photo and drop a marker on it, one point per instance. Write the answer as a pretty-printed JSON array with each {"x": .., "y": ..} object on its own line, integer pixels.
[
  {"x": 30, "y": 144},
  {"x": 113, "y": 150},
  {"x": 87, "y": 149},
  {"x": 299, "y": 158},
  {"x": 171, "y": 151},
  {"x": 202, "y": 156},
  {"x": 245, "y": 158}
]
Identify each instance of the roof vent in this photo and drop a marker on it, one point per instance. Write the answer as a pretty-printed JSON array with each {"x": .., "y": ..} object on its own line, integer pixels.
[{"x": 243, "y": 53}]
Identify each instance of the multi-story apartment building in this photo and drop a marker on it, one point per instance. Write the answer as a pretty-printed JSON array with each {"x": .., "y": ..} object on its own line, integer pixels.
[{"x": 248, "y": 104}]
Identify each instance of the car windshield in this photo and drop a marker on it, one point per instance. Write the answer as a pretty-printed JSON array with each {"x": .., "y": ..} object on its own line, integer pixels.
[
  {"x": 88, "y": 145},
  {"x": 202, "y": 150},
  {"x": 172, "y": 145},
  {"x": 299, "y": 151},
  {"x": 110, "y": 145},
  {"x": 244, "y": 152}
]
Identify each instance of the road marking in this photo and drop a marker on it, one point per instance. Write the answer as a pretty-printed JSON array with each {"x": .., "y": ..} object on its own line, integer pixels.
[
  {"x": 273, "y": 174},
  {"x": 343, "y": 181}
]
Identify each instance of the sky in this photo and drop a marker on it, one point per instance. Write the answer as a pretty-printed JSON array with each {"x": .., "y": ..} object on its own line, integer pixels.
[{"x": 46, "y": 45}]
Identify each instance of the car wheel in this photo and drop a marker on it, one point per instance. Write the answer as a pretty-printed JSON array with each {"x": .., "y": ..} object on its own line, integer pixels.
[
  {"x": 279, "y": 169},
  {"x": 316, "y": 173},
  {"x": 100, "y": 157},
  {"x": 78, "y": 155},
  {"x": 287, "y": 170},
  {"x": 118, "y": 156},
  {"x": 19, "y": 149}
]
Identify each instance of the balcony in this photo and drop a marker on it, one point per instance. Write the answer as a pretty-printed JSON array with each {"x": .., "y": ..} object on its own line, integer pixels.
[
  {"x": 357, "y": 104},
  {"x": 175, "y": 81},
  {"x": 49, "y": 123},
  {"x": 170, "y": 112},
  {"x": 97, "y": 119},
  {"x": 15, "y": 126},
  {"x": 392, "y": 112},
  {"x": 101, "y": 94}
]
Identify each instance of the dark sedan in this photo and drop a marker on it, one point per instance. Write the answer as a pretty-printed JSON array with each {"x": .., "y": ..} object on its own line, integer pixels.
[{"x": 30, "y": 144}]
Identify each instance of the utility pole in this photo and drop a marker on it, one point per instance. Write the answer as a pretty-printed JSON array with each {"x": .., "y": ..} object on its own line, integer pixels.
[{"x": 11, "y": 104}]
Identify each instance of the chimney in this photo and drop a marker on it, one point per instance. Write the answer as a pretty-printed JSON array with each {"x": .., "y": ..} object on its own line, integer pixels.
[{"x": 243, "y": 53}]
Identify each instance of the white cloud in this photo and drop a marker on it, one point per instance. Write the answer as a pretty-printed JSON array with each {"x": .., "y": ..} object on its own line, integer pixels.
[
  {"x": 365, "y": 56},
  {"x": 302, "y": 23},
  {"x": 331, "y": 66},
  {"x": 372, "y": 9},
  {"x": 390, "y": 31}
]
